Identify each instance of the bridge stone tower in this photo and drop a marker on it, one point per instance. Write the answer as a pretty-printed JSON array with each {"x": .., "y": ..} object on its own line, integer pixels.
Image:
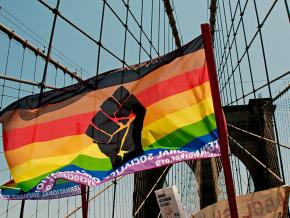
[{"x": 256, "y": 117}]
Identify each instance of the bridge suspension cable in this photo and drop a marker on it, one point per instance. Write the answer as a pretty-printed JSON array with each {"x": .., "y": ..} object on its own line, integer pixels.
[
  {"x": 258, "y": 136},
  {"x": 257, "y": 160},
  {"x": 151, "y": 190}
]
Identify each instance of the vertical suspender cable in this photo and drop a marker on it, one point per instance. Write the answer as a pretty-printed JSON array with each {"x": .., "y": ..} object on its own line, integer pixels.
[
  {"x": 269, "y": 87},
  {"x": 56, "y": 12}
]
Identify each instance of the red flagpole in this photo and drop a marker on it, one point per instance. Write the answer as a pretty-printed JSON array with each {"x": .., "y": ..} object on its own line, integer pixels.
[
  {"x": 220, "y": 119},
  {"x": 84, "y": 201}
]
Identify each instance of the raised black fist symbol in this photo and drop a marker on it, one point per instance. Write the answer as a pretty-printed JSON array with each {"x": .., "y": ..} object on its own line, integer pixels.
[{"x": 117, "y": 127}]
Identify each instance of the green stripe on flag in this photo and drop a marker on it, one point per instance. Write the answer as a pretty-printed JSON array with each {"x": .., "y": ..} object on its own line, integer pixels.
[
  {"x": 184, "y": 135},
  {"x": 82, "y": 161}
]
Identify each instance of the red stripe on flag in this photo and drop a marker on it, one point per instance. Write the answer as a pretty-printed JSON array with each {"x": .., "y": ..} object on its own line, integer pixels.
[
  {"x": 73, "y": 125},
  {"x": 77, "y": 124},
  {"x": 173, "y": 86}
]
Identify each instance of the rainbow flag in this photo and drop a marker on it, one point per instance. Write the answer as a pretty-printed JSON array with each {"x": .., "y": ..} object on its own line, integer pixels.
[{"x": 126, "y": 120}]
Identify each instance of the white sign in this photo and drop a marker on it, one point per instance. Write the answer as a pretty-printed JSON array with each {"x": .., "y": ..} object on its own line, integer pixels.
[{"x": 170, "y": 203}]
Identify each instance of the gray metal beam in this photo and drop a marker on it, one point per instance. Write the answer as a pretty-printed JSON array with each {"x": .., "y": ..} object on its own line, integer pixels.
[
  {"x": 212, "y": 18},
  {"x": 169, "y": 12},
  {"x": 12, "y": 35}
]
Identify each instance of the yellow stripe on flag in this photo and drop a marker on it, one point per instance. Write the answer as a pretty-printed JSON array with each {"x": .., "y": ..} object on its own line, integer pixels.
[
  {"x": 176, "y": 102},
  {"x": 160, "y": 128},
  {"x": 37, "y": 167},
  {"x": 56, "y": 147}
]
